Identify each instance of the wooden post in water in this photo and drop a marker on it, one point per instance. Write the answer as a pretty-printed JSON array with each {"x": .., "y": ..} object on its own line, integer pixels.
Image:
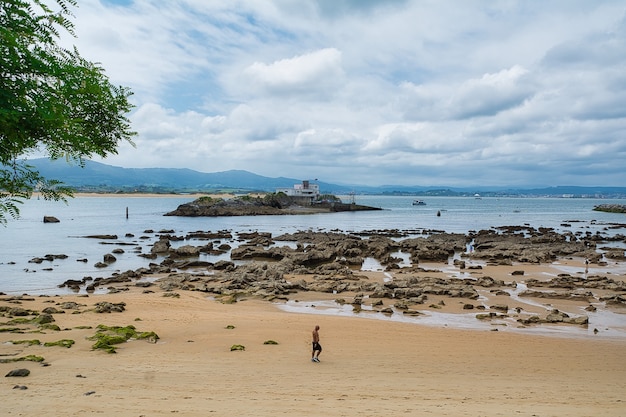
[{"x": 127, "y": 212}]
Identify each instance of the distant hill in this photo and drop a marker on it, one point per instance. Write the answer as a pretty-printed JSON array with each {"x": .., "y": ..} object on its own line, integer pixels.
[{"x": 100, "y": 177}]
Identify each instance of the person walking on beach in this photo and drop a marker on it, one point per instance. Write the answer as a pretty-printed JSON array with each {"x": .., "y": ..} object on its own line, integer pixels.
[{"x": 317, "y": 348}]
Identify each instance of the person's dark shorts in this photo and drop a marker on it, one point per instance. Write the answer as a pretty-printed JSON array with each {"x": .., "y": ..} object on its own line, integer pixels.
[{"x": 317, "y": 346}]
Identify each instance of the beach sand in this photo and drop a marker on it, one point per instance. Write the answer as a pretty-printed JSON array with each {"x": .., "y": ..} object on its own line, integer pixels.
[{"x": 368, "y": 367}]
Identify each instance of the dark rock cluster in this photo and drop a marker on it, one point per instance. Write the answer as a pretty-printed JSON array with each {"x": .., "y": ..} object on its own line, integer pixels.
[
  {"x": 329, "y": 262},
  {"x": 272, "y": 204},
  {"x": 611, "y": 208}
]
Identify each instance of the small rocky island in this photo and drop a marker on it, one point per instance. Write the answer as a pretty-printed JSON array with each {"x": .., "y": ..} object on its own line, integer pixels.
[
  {"x": 611, "y": 208},
  {"x": 270, "y": 204}
]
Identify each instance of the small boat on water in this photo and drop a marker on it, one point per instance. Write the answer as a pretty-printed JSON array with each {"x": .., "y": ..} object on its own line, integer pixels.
[{"x": 419, "y": 203}]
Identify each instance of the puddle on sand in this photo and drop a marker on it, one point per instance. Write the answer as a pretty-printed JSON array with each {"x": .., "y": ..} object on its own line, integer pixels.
[
  {"x": 608, "y": 323},
  {"x": 373, "y": 265},
  {"x": 611, "y": 268}
]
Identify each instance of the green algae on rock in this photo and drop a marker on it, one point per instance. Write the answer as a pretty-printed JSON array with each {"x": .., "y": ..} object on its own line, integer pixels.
[{"x": 107, "y": 336}]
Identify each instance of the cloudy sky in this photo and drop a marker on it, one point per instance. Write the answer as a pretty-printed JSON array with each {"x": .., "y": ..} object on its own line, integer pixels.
[{"x": 410, "y": 92}]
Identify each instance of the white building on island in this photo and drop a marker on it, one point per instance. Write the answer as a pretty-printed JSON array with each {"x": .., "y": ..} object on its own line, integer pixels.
[{"x": 306, "y": 192}]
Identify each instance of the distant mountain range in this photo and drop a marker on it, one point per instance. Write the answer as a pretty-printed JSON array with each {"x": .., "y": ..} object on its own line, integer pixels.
[{"x": 98, "y": 177}]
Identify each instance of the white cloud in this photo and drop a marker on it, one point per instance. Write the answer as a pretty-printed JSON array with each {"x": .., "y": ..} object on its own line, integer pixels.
[
  {"x": 298, "y": 75},
  {"x": 407, "y": 92},
  {"x": 484, "y": 96}
]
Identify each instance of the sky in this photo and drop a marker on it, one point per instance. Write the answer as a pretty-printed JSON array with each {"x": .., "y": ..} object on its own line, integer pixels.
[{"x": 501, "y": 93}]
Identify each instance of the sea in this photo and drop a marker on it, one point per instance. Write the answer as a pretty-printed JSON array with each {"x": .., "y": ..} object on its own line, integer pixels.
[{"x": 137, "y": 221}]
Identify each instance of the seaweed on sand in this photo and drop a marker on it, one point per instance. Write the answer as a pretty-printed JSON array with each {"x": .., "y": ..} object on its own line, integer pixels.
[{"x": 107, "y": 336}]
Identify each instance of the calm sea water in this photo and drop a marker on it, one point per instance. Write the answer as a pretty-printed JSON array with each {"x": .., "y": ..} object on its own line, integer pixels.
[{"x": 28, "y": 237}]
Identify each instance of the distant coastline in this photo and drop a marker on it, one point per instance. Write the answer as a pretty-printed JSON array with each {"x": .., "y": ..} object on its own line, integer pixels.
[
  {"x": 223, "y": 194},
  {"x": 101, "y": 178},
  {"x": 145, "y": 195}
]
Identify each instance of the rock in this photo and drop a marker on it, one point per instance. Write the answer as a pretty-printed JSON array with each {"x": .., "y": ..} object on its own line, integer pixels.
[
  {"x": 43, "y": 319},
  {"x": 556, "y": 316},
  {"x": 104, "y": 237},
  {"x": 50, "y": 219},
  {"x": 401, "y": 305},
  {"x": 530, "y": 320},
  {"x": 70, "y": 305},
  {"x": 558, "y": 295},
  {"x": 508, "y": 244},
  {"x": 611, "y": 208},
  {"x": 161, "y": 246},
  {"x": 582, "y": 320},
  {"x": 19, "y": 312},
  {"x": 411, "y": 312},
  {"x": 106, "y": 307},
  {"x": 488, "y": 282},
  {"x": 48, "y": 257},
  {"x": 615, "y": 300},
  {"x": 109, "y": 258},
  {"x": 52, "y": 310},
  {"x": 224, "y": 265},
  {"x": 185, "y": 251},
  {"x": 18, "y": 372},
  {"x": 271, "y": 204},
  {"x": 459, "y": 263}
]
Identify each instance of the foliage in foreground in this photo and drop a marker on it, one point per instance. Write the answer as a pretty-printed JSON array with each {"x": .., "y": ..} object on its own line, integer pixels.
[{"x": 52, "y": 100}]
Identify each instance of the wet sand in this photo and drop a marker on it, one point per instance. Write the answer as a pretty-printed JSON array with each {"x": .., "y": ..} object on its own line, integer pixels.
[{"x": 368, "y": 367}]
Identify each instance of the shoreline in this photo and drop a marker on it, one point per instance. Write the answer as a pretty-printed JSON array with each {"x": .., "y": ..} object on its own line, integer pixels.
[
  {"x": 368, "y": 367},
  {"x": 605, "y": 322}
]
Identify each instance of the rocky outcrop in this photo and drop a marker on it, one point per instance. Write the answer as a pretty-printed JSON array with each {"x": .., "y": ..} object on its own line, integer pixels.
[
  {"x": 48, "y": 258},
  {"x": 437, "y": 247},
  {"x": 107, "y": 307},
  {"x": 556, "y": 316},
  {"x": 328, "y": 262},
  {"x": 566, "y": 295},
  {"x": 528, "y": 245},
  {"x": 161, "y": 246},
  {"x": 611, "y": 208},
  {"x": 272, "y": 204},
  {"x": 571, "y": 282}
]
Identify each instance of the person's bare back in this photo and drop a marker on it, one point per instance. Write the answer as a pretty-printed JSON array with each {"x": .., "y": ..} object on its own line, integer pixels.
[{"x": 317, "y": 348}]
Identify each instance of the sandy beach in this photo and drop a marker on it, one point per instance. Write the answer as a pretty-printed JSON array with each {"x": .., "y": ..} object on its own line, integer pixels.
[{"x": 368, "y": 367}]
